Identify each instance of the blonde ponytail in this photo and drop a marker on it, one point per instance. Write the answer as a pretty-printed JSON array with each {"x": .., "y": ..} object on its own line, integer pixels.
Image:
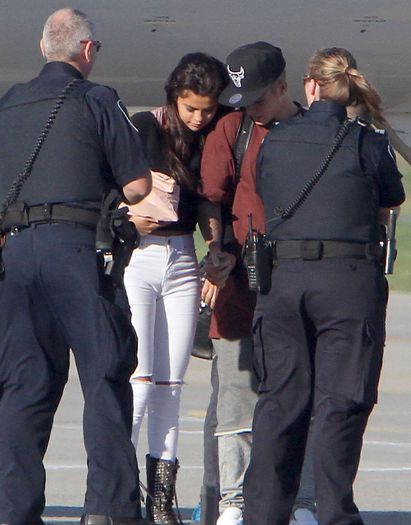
[{"x": 335, "y": 71}]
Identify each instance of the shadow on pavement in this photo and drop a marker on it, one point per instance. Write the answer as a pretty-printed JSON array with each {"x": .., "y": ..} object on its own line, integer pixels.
[
  {"x": 73, "y": 515},
  {"x": 370, "y": 518},
  {"x": 386, "y": 518},
  {"x": 62, "y": 515}
]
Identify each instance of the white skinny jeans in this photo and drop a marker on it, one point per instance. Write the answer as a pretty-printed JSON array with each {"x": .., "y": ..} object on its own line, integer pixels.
[{"x": 163, "y": 288}]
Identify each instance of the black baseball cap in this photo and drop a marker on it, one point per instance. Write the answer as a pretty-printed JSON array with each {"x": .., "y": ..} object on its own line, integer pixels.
[{"x": 252, "y": 68}]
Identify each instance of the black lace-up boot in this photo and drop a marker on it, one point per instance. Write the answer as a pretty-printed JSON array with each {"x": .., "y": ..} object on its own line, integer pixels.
[{"x": 161, "y": 484}]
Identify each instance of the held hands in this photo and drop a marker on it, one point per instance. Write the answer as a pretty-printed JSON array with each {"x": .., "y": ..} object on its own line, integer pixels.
[
  {"x": 215, "y": 272},
  {"x": 218, "y": 266}
]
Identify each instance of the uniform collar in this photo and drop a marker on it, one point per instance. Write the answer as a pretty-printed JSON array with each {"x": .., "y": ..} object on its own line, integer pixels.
[
  {"x": 324, "y": 109},
  {"x": 60, "y": 68},
  {"x": 299, "y": 113},
  {"x": 300, "y": 110}
]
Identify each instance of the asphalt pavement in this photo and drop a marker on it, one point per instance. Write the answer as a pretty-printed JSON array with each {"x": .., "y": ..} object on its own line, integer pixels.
[{"x": 383, "y": 485}]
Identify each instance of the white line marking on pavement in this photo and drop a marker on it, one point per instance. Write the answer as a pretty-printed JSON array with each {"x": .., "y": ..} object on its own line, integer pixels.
[
  {"x": 386, "y": 469},
  {"x": 187, "y": 419},
  {"x": 387, "y": 443},
  {"x": 63, "y": 466},
  {"x": 49, "y": 466},
  {"x": 67, "y": 427}
]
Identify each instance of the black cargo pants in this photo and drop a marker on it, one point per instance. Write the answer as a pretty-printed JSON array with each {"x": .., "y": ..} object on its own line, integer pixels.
[
  {"x": 52, "y": 299},
  {"x": 319, "y": 338}
]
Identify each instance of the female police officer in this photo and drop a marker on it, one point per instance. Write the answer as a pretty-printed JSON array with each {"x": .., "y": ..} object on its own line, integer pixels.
[{"x": 319, "y": 333}]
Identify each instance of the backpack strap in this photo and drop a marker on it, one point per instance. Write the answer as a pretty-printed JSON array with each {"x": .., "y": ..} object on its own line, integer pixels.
[{"x": 242, "y": 140}]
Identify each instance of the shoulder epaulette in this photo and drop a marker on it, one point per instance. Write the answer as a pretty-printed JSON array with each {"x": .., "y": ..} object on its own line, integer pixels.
[
  {"x": 366, "y": 124},
  {"x": 362, "y": 122}
]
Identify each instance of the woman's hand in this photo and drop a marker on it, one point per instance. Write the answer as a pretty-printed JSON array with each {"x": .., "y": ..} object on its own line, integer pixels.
[
  {"x": 146, "y": 225},
  {"x": 209, "y": 293}
]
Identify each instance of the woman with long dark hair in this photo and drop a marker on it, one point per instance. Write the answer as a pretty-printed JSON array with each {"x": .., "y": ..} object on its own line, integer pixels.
[
  {"x": 162, "y": 280},
  {"x": 319, "y": 333}
]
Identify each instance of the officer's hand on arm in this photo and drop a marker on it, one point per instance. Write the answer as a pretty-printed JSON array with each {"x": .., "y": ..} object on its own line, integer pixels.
[
  {"x": 136, "y": 190},
  {"x": 209, "y": 293}
]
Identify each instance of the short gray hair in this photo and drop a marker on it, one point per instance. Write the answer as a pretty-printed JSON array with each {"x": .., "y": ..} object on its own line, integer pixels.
[{"x": 63, "y": 31}]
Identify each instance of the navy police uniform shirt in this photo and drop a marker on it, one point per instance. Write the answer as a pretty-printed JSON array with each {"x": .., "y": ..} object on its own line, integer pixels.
[
  {"x": 376, "y": 155},
  {"x": 361, "y": 177},
  {"x": 91, "y": 146}
]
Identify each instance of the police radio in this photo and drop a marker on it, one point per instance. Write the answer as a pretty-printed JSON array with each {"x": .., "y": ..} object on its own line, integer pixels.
[
  {"x": 258, "y": 259},
  {"x": 250, "y": 253}
]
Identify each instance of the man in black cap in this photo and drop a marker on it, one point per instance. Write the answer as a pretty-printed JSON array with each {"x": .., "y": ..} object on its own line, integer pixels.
[
  {"x": 258, "y": 85},
  {"x": 252, "y": 69}
]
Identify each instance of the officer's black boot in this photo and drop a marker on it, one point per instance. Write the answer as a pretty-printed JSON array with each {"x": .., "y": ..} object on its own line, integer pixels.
[
  {"x": 161, "y": 485},
  {"x": 99, "y": 519}
]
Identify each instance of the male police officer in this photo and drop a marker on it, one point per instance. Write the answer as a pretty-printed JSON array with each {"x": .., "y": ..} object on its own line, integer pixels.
[{"x": 52, "y": 293}]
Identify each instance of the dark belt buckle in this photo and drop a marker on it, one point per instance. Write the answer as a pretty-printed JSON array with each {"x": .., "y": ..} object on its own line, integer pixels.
[{"x": 311, "y": 250}]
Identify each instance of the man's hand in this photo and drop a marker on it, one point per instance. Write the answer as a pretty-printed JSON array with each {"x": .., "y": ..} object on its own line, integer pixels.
[{"x": 209, "y": 293}]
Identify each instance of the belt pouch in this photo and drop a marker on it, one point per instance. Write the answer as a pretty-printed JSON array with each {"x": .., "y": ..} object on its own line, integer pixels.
[{"x": 16, "y": 216}]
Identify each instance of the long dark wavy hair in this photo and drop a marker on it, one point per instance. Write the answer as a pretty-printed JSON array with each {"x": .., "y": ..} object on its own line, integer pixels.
[{"x": 206, "y": 76}]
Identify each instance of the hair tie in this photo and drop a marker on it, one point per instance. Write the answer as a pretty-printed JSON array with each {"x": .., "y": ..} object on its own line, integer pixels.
[{"x": 346, "y": 70}]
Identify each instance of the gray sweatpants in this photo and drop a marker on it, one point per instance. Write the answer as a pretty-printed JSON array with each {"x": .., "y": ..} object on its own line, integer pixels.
[{"x": 228, "y": 424}]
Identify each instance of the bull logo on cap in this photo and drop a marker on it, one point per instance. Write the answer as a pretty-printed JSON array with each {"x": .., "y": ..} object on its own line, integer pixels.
[{"x": 236, "y": 76}]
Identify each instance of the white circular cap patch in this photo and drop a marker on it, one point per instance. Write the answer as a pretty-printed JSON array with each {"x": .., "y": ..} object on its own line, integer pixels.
[{"x": 235, "y": 99}]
